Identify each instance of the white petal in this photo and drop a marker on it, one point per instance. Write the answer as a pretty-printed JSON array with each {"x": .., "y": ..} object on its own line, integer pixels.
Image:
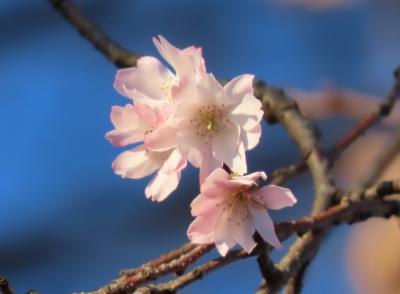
[
  {"x": 239, "y": 164},
  {"x": 175, "y": 162},
  {"x": 248, "y": 114},
  {"x": 187, "y": 61},
  {"x": 209, "y": 164},
  {"x": 144, "y": 82},
  {"x": 265, "y": 227},
  {"x": 135, "y": 164},
  {"x": 225, "y": 144},
  {"x": 162, "y": 138},
  {"x": 276, "y": 197},
  {"x": 162, "y": 185},
  {"x": 239, "y": 86},
  {"x": 251, "y": 138},
  {"x": 223, "y": 247}
]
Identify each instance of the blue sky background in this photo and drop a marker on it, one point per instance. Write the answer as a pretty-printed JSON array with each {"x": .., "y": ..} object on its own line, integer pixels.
[{"x": 67, "y": 222}]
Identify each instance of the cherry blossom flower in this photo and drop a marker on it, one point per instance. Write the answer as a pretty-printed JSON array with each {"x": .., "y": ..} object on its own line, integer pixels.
[
  {"x": 151, "y": 82},
  {"x": 214, "y": 124},
  {"x": 133, "y": 123},
  {"x": 229, "y": 209}
]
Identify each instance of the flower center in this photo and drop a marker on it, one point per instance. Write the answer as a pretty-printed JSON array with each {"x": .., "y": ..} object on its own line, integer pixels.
[
  {"x": 237, "y": 207},
  {"x": 209, "y": 120},
  {"x": 149, "y": 130}
]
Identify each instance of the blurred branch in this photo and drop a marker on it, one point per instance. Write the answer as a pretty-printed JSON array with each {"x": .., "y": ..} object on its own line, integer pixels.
[
  {"x": 368, "y": 120},
  {"x": 5, "y": 286},
  {"x": 118, "y": 55},
  {"x": 333, "y": 102},
  {"x": 381, "y": 162}
]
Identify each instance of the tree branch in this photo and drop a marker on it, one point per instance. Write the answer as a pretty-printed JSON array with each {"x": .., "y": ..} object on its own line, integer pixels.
[
  {"x": 174, "y": 262},
  {"x": 366, "y": 122},
  {"x": 118, "y": 55},
  {"x": 277, "y": 107},
  {"x": 359, "y": 206}
]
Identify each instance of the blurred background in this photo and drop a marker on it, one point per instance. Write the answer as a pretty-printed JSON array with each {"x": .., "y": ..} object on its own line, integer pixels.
[{"x": 68, "y": 223}]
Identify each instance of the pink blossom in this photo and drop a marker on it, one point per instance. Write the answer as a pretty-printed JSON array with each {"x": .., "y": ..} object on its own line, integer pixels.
[
  {"x": 230, "y": 209},
  {"x": 215, "y": 124},
  {"x": 133, "y": 123},
  {"x": 151, "y": 82}
]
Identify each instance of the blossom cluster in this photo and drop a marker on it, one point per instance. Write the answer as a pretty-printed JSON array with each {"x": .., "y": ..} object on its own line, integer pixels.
[{"x": 181, "y": 113}]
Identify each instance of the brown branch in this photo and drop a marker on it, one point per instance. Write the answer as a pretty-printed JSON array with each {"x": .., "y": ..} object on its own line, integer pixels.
[
  {"x": 372, "y": 202},
  {"x": 277, "y": 107},
  {"x": 306, "y": 247},
  {"x": 382, "y": 111},
  {"x": 165, "y": 258},
  {"x": 5, "y": 286},
  {"x": 195, "y": 274},
  {"x": 295, "y": 283},
  {"x": 173, "y": 262},
  {"x": 118, "y": 55}
]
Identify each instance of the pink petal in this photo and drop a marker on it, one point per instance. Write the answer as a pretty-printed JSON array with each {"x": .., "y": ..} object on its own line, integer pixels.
[
  {"x": 192, "y": 144},
  {"x": 122, "y": 138},
  {"x": 135, "y": 164},
  {"x": 129, "y": 124},
  {"x": 201, "y": 230},
  {"x": 204, "y": 205},
  {"x": 145, "y": 82},
  {"x": 225, "y": 144},
  {"x": 217, "y": 176},
  {"x": 243, "y": 231},
  {"x": 239, "y": 86},
  {"x": 251, "y": 138},
  {"x": 162, "y": 185},
  {"x": 175, "y": 162},
  {"x": 248, "y": 113},
  {"x": 254, "y": 177},
  {"x": 276, "y": 197},
  {"x": 211, "y": 92},
  {"x": 209, "y": 164},
  {"x": 265, "y": 227},
  {"x": 240, "y": 183},
  {"x": 187, "y": 61},
  {"x": 222, "y": 235},
  {"x": 162, "y": 138}
]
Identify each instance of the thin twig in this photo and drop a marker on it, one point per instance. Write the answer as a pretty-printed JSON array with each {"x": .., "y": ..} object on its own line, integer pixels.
[
  {"x": 383, "y": 110},
  {"x": 174, "y": 263},
  {"x": 118, "y": 55},
  {"x": 195, "y": 274},
  {"x": 296, "y": 258},
  {"x": 165, "y": 258}
]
